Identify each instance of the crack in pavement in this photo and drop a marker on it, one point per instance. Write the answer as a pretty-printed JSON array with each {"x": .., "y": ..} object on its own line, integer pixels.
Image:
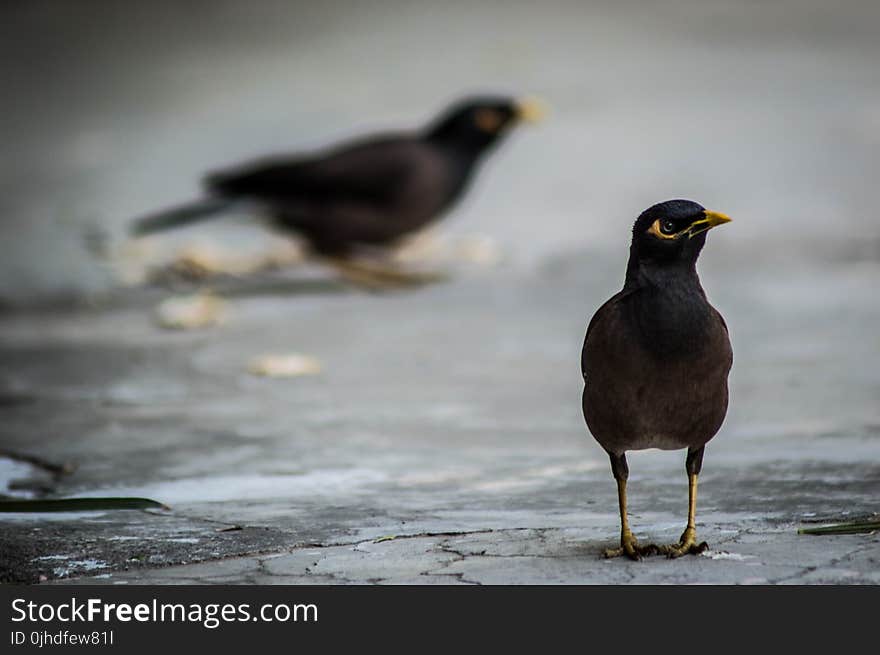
[
  {"x": 525, "y": 543},
  {"x": 829, "y": 563}
]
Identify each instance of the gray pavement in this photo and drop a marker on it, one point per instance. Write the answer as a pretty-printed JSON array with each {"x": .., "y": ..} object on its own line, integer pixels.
[{"x": 442, "y": 441}]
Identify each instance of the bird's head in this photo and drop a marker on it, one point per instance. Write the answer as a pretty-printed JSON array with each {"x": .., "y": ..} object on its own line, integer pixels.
[
  {"x": 672, "y": 232},
  {"x": 475, "y": 123}
]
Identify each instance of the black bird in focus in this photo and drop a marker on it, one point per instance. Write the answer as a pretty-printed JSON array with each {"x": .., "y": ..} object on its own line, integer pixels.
[
  {"x": 363, "y": 194},
  {"x": 656, "y": 358}
]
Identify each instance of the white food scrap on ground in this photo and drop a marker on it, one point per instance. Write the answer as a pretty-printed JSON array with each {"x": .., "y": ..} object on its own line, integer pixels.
[
  {"x": 723, "y": 554},
  {"x": 143, "y": 260},
  {"x": 191, "y": 312},
  {"x": 285, "y": 366}
]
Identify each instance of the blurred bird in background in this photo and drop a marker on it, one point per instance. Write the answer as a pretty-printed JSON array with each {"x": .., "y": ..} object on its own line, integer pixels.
[
  {"x": 656, "y": 358},
  {"x": 357, "y": 200}
]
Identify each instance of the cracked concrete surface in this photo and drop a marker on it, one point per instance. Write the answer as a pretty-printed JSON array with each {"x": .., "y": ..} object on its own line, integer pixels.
[
  {"x": 442, "y": 442},
  {"x": 468, "y": 464},
  {"x": 526, "y": 556}
]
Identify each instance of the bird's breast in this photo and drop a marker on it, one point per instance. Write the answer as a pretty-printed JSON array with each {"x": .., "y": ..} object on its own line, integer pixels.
[{"x": 664, "y": 386}]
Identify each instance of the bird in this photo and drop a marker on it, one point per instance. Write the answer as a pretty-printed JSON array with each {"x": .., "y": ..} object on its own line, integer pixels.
[
  {"x": 366, "y": 194},
  {"x": 656, "y": 359}
]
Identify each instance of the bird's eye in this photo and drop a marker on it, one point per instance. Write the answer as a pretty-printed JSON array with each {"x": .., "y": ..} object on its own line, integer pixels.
[
  {"x": 667, "y": 227},
  {"x": 488, "y": 120}
]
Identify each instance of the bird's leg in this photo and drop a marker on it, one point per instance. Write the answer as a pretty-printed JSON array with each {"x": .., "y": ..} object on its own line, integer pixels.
[
  {"x": 688, "y": 542},
  {"x": 404, "y": 277},
  {"x": 375, "y": 276},
  {"x": 628, "y": 544},
  {"x": 358, "y": 275}
]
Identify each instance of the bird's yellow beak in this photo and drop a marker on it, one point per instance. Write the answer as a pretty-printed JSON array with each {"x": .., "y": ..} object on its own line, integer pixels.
[
  {"x": 712, "y": 219},
  {"x": 530, "y": 110}
]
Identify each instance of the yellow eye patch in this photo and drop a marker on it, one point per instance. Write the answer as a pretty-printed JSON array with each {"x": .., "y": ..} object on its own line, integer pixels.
[
  {"x": 657, "y": 232},
  {"x": 488, "y": 120},
  {"x": 709, "y": 220}
]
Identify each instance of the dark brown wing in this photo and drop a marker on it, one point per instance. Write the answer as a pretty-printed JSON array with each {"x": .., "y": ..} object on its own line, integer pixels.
[
  {"x": 607, "y": 313},
  {"x": 372, "y": 171},
  {"x": 371, "y": 193}
]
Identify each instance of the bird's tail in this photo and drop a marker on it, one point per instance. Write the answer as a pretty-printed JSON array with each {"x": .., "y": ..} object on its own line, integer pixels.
[{"x": 193, "y": 212}]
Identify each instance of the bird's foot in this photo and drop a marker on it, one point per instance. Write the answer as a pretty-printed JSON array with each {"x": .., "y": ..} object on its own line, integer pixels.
[
  {"x": 687, "y": 545},
  {"x": 375, "y": 277},
  {"x": 631, "y": 548},
  {"x": 416, "y": 278}
]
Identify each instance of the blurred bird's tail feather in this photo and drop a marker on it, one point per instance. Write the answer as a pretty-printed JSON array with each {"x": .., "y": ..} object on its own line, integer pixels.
[{"x": 192, "y": 212}]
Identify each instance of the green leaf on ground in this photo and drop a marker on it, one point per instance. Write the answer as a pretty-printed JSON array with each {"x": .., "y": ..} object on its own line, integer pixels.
[
  {"x": 860, "y": 526},
  {"x": 387, "y": 537}
]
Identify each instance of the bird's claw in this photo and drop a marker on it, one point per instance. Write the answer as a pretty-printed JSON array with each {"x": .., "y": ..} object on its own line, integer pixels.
[
  {"x": 380, "y": 278},
  {"x": 631, "y": 548},
  {"x": 672, "y": 551},
  {"x": 420, "y": 278},
  {"x": 687, "y": 545}
]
